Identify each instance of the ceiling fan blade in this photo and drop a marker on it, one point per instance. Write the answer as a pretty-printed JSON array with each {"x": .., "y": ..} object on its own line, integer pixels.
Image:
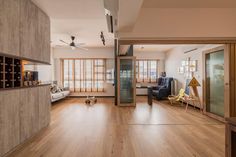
[
  {"x": 64, "y": 42},
  {"x": 83, "y": 48},
  {"x": 59, "y": 46}
]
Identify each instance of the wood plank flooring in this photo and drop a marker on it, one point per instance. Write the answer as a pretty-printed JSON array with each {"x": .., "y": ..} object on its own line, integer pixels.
[{"x": 104, "y": 130}]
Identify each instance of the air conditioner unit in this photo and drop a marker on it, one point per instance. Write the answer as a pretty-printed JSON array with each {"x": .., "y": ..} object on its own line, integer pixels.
[{"x": 109, "y": 23}]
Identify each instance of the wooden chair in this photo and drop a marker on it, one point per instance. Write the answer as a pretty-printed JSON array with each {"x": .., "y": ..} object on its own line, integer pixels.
[{"x": 178, "y": 97}]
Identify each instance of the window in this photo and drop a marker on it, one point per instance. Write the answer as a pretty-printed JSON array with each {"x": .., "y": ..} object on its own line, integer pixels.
[
  {"x": 84, "y": 75},
  {"x": 146, "y": 71}
]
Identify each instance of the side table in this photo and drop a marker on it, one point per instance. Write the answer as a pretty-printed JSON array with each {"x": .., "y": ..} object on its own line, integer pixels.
[{"x": 149, "y": 95}]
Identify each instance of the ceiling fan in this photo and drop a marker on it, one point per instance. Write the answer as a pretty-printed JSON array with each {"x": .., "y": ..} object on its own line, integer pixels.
[{"x": 74, "y": 45}]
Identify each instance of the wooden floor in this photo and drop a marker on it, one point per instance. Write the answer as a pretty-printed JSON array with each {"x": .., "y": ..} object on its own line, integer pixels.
[{"x": 104, "y": 130}]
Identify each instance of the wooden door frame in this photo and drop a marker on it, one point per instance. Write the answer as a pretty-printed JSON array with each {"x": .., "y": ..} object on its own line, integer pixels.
[
  {"x": 226, "y": 82},
  {"x": 118, "y": 80},
  {"x": 230, "y": 48}
]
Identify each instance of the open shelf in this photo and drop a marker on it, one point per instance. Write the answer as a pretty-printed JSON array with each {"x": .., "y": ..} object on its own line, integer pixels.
[
  {"x": 17, "y": 73},
  {"x": 1, "y": 72},
  {"x": 10, "y": 72}
]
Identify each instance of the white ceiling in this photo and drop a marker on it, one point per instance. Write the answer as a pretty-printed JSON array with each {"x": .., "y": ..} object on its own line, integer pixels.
[
  {"x": 165, "y": 47},
  {"x": 189, "y": 3},
  {"x": 84, "y": 19},
  {"x": 156, "y": 48},
  {"x": 152, "y": 16}
]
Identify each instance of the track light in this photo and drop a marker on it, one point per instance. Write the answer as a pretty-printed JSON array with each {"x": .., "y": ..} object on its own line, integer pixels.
[{"x": 102, "y": 38}]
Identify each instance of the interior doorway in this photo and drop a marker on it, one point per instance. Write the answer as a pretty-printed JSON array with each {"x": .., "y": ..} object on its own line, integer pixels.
[{"x": 228, "y": 86}]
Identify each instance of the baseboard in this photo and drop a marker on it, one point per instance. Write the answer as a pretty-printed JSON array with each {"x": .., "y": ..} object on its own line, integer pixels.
[{"x": 76, "y": 96}]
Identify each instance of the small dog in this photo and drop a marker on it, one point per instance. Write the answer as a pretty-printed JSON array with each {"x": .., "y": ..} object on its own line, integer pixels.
[{"x": 90, "y": 100}]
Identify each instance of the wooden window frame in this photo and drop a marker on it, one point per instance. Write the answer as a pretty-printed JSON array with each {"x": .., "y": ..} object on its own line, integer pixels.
[
  {"x": 83, "y": 79},
  {"x": 148, "y": 70}
]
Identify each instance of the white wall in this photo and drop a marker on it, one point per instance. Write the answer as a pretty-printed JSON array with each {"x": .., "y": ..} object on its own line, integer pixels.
[
  {"x": 176, "y": 55},
  {"x": 105, "y": 53}
]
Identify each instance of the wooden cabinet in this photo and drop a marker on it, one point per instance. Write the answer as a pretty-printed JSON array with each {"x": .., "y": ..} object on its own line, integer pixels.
[
  {"x": 24, "y": 30},
  {"x": 35, "y": 108},
  {"x": 43, "y": 40},
  {"x": 44, "y": 106},
  {"x": 9, "y": 27},
  {"x": 23, "y": 113},
  {"x": 29, "y": 115},
  {"x": 34, "y": 32},
  {"x": 9, "y": 120},
  {"x": 230, "y": 137},
  {"x": 28, "y": 29}
]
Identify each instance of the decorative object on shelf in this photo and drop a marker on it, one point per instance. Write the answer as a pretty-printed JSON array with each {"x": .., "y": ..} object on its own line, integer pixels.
[
  {"x": 30, "y": 78},
  {"x": 188, "y": 67}
]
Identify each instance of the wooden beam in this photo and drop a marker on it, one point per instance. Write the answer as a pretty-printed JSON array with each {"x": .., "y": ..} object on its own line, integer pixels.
[{"x": 148, "y": 41}]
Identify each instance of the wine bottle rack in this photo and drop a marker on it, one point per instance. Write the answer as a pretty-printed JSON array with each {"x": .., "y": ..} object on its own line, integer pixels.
[
  {"x": 1, "y": 72},
  {"x": 10, "y": 72}
]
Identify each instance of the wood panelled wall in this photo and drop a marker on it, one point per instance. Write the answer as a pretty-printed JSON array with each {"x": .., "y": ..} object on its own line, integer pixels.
[
  {"x": 9, "y": 26},
  {"x": 24, "y": 30},
  {"x": 24, "y": 33},
  {"x": 23, "y": 113},
  {"x": 231, "y": 48}
]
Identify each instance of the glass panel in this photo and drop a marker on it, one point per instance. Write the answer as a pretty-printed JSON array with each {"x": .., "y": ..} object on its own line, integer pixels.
[
  {"x": 77, "y": 75},
  {"x": 77, "y": 85},
  {"x": 66, "y": 72},
  {"x": 84, "y": 74},
  {"x": 99, "y": 69},
  {"x": 141, "y": 72},
  {"x": 71, "y": 82},
  {"x": 153, "y": 71},
  {"x": 126, "y": 81},
  {"x": 146, "y": 70},
  {"x": 99, "y": 62},
  {"x": 215, "y": 82}
]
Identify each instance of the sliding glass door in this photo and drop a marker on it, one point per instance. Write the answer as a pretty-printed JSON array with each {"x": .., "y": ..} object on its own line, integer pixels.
[{"x": 214, "y": 68}]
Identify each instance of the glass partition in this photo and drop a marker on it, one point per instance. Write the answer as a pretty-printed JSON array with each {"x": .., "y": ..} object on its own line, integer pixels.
[
  {"x": 215, "y": 82},
  {"x": 127, "y": 81}
]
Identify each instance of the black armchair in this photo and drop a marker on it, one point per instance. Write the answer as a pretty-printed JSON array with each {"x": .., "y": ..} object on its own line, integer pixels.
[{"x": 163, "y": 89}]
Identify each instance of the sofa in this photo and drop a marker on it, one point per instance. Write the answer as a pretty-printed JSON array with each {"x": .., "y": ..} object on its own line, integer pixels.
[
  {"x": 58, "y": 93},
  {"x": 163, "y": 88}
]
